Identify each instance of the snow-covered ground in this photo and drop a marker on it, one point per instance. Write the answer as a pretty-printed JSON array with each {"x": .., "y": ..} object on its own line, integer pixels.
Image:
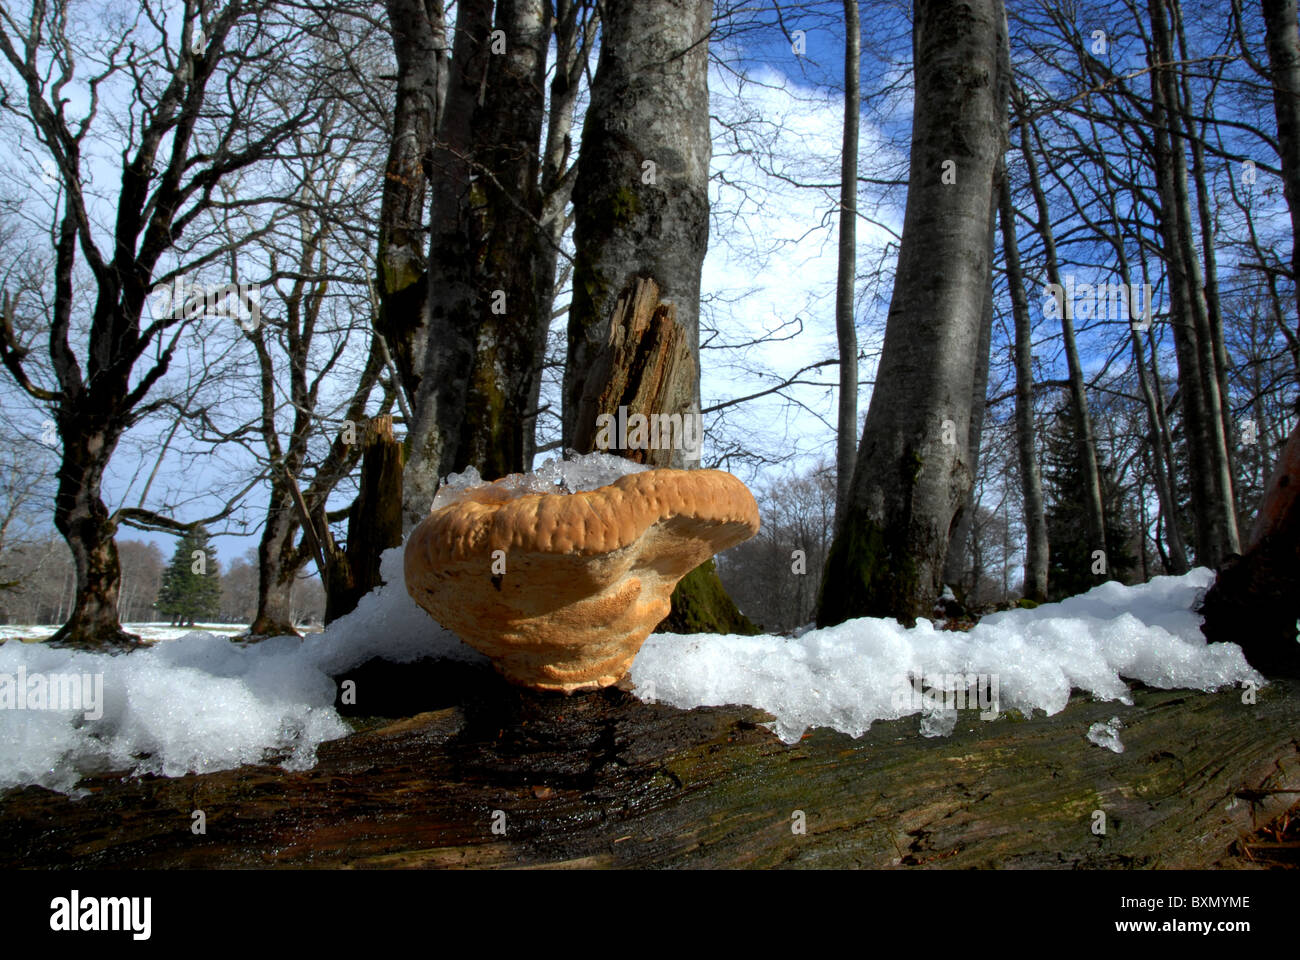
[
  {"x": 202, "y": 703},
  {"x": 149, "y": 632}
]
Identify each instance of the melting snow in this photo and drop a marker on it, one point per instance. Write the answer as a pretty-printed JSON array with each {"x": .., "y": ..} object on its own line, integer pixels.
[
  {"x": 201, "y": 703},
  {"x": 1107, "y": 734},
  {"x": 579, "y": 472}
]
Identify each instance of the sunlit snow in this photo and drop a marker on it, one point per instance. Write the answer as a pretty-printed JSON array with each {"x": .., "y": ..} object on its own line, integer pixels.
[{"x": 202, "y": 703}]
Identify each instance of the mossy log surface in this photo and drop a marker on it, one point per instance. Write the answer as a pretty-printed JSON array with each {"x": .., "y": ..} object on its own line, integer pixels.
[{"x": 603, "y": 780}]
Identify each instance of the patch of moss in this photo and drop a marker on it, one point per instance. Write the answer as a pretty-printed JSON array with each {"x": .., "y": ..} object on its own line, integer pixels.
[{"x": 700, "y": 604}]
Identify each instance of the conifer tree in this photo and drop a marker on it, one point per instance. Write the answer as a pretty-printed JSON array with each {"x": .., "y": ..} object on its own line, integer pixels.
[
  {"x": 191, "y": 585},
  {"x": 1074, "y": 566}
]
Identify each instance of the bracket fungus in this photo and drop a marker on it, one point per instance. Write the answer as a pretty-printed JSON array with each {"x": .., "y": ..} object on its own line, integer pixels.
[{"x": 561, "y": 589}]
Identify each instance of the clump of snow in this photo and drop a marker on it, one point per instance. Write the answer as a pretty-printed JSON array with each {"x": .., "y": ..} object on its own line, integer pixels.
[
  {"x": 575, "y": 472},
  {"x": 850, "y": 675},
  {"x": 1107, "y": 734},
  {"x": 938, "y": 723},
  {"x": 201, "y": 703}
]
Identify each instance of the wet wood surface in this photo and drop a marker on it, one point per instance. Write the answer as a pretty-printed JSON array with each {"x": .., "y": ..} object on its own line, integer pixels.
[{"x": 488, "y": 776}]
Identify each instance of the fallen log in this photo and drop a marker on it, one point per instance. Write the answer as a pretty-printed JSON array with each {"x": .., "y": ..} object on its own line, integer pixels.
[{"x": 491, "y": 776}]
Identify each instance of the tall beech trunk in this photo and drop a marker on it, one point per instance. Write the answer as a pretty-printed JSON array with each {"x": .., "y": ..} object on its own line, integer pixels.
[
  {"x": 1212, "y": 498},
  {"x": 962, "y": 566},
  {"x": 1085, "y": 441},
  {"x": 420, "y": 45},
  {"x": 1210, "y": 286},
  {"x": 913, "y": 470},
  {"x": 1283, "y": 40},
  {"x": 845, "y": 327},
  {"x": 486, "y": 306},
  {"x": 1031, "y": 482},
  {"x": 641, "y": 204},
  {"x": 514, "y": 284},
  {"x": 1176, "y": 556},
  {"x": 641, "y": 227}
]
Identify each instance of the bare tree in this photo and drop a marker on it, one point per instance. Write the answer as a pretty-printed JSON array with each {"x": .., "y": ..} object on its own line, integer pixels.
[
  {"x": 845, "y": 321},
  {"x": 194, "y": 111},
  {"x": 913, "y": 471}
]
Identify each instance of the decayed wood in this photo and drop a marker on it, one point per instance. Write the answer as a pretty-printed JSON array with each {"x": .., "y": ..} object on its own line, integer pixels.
[
  {"x": 605, "y": 780},
  {"x": 374, "y": 521},
  {"x": 1255, "y": 598},
  {"x": 645, "y": 366}
]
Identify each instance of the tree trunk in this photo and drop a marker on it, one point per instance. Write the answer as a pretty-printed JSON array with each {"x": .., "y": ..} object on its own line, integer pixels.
[
  {"x": 374, "y": 521},
  {"x": 1031, "y": 482},
  {"x": 845, "y": 325},
  {"x": 960, "y": 569},
  {"x": 605, "y": 781},
  {"x": 454, "y": 302},
  {"x": 420, "y": 45},
  {"x": 1084, "y": 438},
  {"x": 84, "y": 522},
  {"x": 278, "y": 563},
  {"x": 498, "y": 420},
  {"x": 1164, "y": 481},
  {"x": 641, "y": 204},
  {"x": 913, "y": 471},
  {"x": 1212, "y": 499},
  {"x": 641, "y": 212},
  {"x": 1283, "y": 40},
  {"x": 486, "y": 295}
]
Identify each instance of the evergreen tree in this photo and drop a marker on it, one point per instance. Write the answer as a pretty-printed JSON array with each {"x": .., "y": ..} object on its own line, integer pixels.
[
  {"x": 191, "y": 585},
  {"x": 1071, "y": 558}
]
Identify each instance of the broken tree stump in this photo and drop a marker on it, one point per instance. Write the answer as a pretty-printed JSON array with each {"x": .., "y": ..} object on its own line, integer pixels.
[
  {"x": 374, "y": 521},
  {"x": 645, "y": 368},
  {"x": 603, "y": 780}
]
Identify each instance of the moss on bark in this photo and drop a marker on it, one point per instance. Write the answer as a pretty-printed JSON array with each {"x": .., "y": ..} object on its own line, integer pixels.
[{"x": 700, "y": 604}]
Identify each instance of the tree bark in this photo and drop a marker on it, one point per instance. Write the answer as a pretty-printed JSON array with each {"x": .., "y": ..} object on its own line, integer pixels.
[
  {"x": 1031, "y": 481},
  {"x": 641, "y": 204},
  {"x": 278, "y": 563},
  {"x": 374, "y": 521},
  {"x": 420, "y": 45},
  {"x": 641, "y": 227},
  {"x": 1085, "y": 440},
  {"x": 645, "y": 367},
  {"x": 960, "y": 568},
  {"x": 1212, "y": 499},
  {"x": 486, "y": 301},
  {"x": 913, "y": 472},
  {"x": 80, "y": 515},
  {"x": 1282, "y": 37},
  {"x": 845, "y": 325}
]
